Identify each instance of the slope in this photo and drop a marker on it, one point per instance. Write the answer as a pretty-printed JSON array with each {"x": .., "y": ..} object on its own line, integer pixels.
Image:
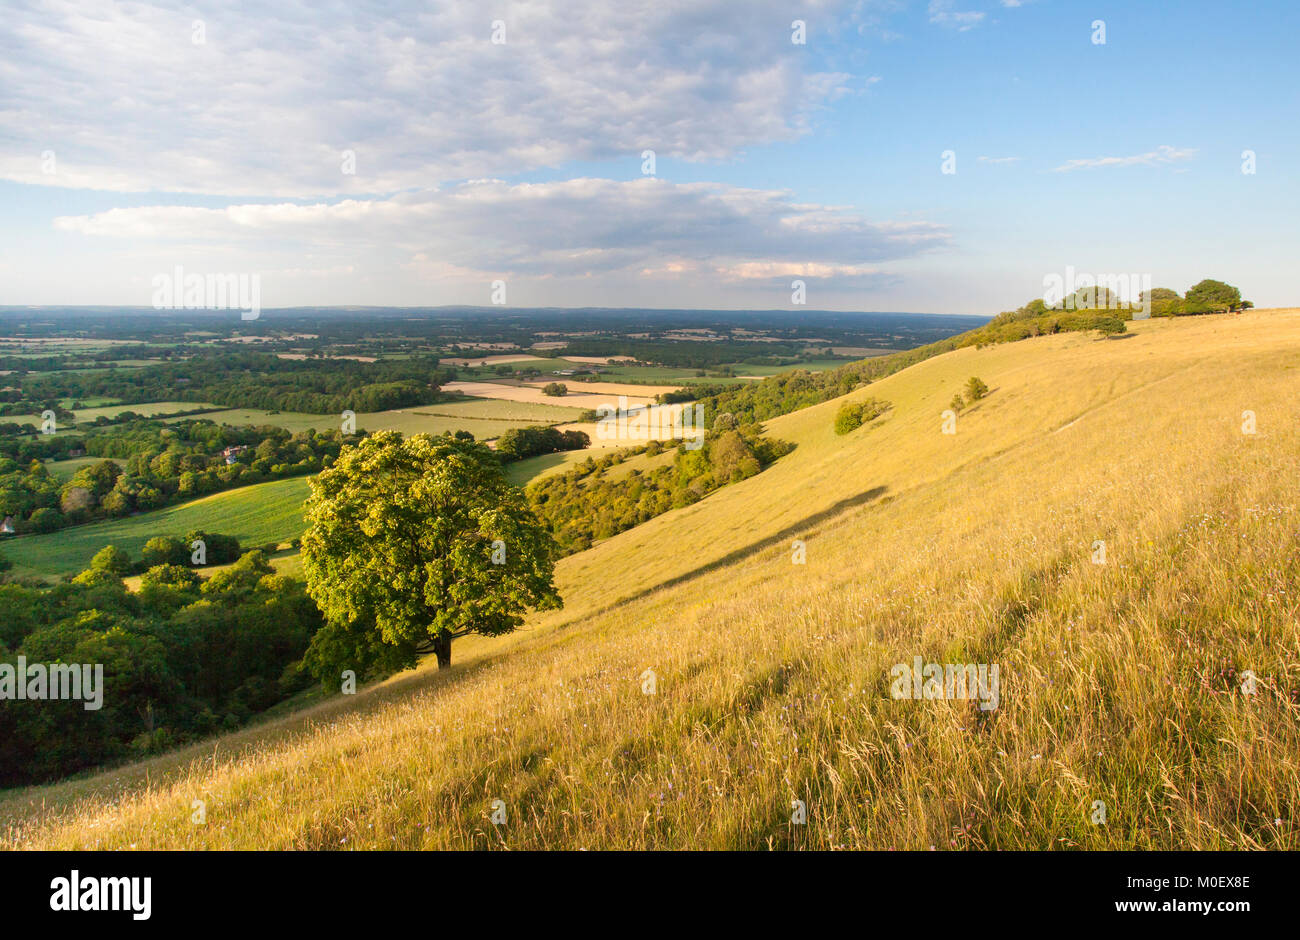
[{"x": 1121, "y": 682}]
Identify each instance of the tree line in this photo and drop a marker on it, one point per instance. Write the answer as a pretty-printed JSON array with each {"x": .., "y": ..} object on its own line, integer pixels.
[
  {"x": 184, "y": 657},
  {"x": 151, "y": 464},
  {"x": 252, "y": 379}
]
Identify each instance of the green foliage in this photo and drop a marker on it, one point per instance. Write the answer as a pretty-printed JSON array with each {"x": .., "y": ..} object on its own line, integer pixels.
[
  {"x": 154, "y": 464},
  {"x": 254, "y": 379},
  {"x": 181, "y": 659},
  {"x": 401, "y": 534},
  {"x": 852, "y": 415},
  {"x": 584, "y": 504},
  {"x": 556, "y": 389},
  {"x": 113, "y": 560},
  {"x": 1208, "y": 296},
  {"x": 975, "y": 389},
  {"x": 1212, "y": 296},
  {"x": 164, "y": 550},
  {"x": 519, "y": 443},
  {"x": 957, "y": 403}
]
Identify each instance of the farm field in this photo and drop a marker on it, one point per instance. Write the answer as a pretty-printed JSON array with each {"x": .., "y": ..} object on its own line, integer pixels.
[
  {"x": 580, "y": 395},
  {"x": 256, "y": 515},
  {"x": 482, "y": 361},
  {"x": 605, "y": 388},
  {"x": 484, "y": 418},
  {"x": 773, "y": 676},
  {"x": 87, "y": 415},
  {"x": 615, "y": 370},
  {"x": 63, "y": 470}
]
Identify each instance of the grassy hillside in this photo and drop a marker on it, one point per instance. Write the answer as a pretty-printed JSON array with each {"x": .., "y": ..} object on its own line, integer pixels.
[
  {"x": 1119, "y": 681},
  {"x": 267, "y": 512}
]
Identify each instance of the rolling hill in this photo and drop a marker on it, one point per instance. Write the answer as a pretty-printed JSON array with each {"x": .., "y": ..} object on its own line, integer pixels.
[{"x": 1121, "y": 681}]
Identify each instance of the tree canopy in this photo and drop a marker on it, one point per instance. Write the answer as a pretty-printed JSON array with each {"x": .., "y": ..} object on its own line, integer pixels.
[{"x": 414, "y": 542}]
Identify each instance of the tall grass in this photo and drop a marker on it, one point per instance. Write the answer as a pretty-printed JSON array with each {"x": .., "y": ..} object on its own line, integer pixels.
[{"x": 1121, "y": 682}]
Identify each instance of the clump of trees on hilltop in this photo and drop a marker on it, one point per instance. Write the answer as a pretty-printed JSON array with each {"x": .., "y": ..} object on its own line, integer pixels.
[
  {"x": 1208, "y": 296},
  {"x": 1084, "y": 311}
]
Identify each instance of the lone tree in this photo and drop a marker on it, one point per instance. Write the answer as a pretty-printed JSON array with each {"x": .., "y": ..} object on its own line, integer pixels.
[
  {"x": 412, "y": 543},
  {"x": 975, "y": 389}
]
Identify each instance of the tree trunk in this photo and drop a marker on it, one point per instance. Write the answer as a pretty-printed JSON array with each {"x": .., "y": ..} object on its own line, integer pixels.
[{"x": 442, "y": 648}]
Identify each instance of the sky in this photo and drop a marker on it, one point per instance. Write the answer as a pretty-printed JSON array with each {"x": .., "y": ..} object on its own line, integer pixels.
[{"x": 941, "y": 156}]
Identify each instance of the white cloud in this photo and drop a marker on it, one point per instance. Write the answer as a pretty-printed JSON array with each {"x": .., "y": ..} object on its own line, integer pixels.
[
  {"x": 1161, "y": 156},
  {"x": 274, "y": 96},
  {"x": 998, "y": 160},
  {"x": 574, "y": 228},
  {"x": 942, "y": 14}
]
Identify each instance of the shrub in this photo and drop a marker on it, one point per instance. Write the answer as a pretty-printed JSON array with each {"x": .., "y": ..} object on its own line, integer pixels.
[
  {"x": 976, "y": 389},
  {"x": 555, "y": 389},
  {"x": 852, "y": 415}
]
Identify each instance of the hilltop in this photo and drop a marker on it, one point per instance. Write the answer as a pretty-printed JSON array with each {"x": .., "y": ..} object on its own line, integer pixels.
[{"x": 1121, "y": 681}]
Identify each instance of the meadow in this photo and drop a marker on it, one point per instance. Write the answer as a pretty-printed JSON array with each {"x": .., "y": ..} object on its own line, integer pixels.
[
  {"x": 706, "y": 673},
  {"x": 256, "y": 515},
  {"x": 87, "y": 415}
]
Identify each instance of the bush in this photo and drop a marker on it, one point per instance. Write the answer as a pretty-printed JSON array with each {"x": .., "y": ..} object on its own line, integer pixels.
[
  {"x": 852, "y": 415},
  {"x": 112, "y": 560},
  {"x": 555, "y": 389},
  {"x": 975, "y": 389}
]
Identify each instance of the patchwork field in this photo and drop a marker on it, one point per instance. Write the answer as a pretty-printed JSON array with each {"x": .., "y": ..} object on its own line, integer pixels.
[
  {"x": 484, "y": 418},
  {"x": 256, "y": 515},
  {"x": 1121, "y": 680}
]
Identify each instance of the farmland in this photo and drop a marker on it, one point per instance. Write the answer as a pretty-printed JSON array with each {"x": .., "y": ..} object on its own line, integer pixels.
[{"x": 256, "y": 515}]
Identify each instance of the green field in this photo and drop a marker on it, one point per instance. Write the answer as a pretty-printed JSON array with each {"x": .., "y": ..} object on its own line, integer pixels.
[
  {"x": 256, "y": 515},
  {"x": 63, "y": 470},
  {"x": 522, "y": 472},
  {"x": 87, "y": 415},
  {"x": 483, "y": 417}
]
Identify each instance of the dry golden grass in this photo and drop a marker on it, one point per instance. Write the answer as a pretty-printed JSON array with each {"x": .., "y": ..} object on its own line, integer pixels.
[
  {"x": 1120, "y": 682},
  {"x": 581, "y": 394}
]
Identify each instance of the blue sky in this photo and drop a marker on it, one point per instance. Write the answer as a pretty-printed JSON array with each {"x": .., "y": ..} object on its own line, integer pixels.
[{"x": 214, "y": 136}]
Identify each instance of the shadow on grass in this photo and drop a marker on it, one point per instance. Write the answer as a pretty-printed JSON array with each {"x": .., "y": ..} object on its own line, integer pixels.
[{"x": 801, "y": 527}]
